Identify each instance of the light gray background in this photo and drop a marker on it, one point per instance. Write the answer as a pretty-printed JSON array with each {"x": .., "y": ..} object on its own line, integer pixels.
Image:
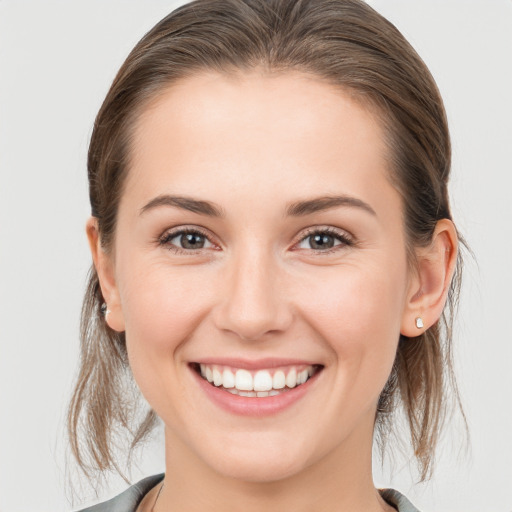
[{"x": 57, "y": 59}]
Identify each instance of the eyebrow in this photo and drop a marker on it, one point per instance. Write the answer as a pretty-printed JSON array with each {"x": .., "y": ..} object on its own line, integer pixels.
[
  {"x": 185, "y": 203},
  {"x": 296, "y": 209},
  {"x": 319, "y": 204}
]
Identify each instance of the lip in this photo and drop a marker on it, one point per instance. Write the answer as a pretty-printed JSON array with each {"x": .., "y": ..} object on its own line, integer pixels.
[
  {"x": 253, "y": 406},
  {"x": 255, "y": 364}
]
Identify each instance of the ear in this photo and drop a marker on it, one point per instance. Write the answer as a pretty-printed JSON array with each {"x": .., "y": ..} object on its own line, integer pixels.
[
  {"x": 104, "y": 264},
  {"x": 429, "y": 286}
]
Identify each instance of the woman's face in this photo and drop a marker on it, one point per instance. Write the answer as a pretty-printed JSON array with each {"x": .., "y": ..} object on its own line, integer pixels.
[{"x": 259, "y": 238}]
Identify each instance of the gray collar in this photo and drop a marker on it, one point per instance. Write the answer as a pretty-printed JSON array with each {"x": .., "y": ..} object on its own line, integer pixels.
[{"x": 129, "y": 500}]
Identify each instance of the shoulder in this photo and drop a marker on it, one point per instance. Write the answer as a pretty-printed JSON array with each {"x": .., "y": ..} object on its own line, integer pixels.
[
  {"x": 398, "y": 500},
  {"x": 129, "y": 500}
]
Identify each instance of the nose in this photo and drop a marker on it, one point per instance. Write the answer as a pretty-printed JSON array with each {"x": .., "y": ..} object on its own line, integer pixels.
[{"x": 253, "y": 299}]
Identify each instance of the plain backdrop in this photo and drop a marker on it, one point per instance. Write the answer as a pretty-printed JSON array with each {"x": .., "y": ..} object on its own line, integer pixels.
[{"x": 57, "y": 60}]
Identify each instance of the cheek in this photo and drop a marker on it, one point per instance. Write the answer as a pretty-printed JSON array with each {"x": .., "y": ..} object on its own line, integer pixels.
[
  {"x": 161, "y": 305},
  {"x": 358, "y": 311}
]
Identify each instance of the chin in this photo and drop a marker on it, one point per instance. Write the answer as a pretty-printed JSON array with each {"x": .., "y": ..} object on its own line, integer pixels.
[
  {"x": 259, "y": 471},
  {"x": 258, "y": 461}
]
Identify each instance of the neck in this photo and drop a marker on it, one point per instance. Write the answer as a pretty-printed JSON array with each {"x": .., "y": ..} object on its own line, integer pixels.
[{"x": 340, "y": 481}]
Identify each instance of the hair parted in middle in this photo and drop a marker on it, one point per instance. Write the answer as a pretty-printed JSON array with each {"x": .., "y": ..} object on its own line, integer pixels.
[{"x": 344, "y": 43}]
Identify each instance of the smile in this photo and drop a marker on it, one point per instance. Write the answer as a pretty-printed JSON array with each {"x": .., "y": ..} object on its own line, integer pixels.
[{"x": 258, "y": 384}]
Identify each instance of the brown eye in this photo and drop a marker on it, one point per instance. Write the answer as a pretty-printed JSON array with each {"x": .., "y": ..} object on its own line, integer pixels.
[
  {"x": 186, "y": 240},
  {"x": 323, "y": 240},
  {"x": 191, "y": 241}
]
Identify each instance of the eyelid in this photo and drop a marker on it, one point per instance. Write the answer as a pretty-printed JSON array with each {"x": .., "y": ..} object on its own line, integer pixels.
[
  {"x": 346, "y": 238},
  {"x": 170, "y": 233}
]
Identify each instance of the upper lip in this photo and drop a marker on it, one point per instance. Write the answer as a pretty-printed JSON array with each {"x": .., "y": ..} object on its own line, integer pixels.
[{"x": 255, "y": 364}]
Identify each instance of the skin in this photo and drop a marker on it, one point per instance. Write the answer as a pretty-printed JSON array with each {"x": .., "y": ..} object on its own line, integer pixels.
[{"x": 253, "y": 144}]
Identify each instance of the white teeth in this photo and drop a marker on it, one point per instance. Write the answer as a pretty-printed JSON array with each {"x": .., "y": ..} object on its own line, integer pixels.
[
  {"x": 302, "y": 377},
  {"x": 217, "y": 377},
  {"x": 247, "y": 393},
  {"x": 291, "y": 378},
  {"x": 262, "y": 381},
  {"x": 279, "y": 380},
  {"x": 228, "y": 379},
  {"x": 262, "y": 384},
  {"x": 243, "y": 380}
]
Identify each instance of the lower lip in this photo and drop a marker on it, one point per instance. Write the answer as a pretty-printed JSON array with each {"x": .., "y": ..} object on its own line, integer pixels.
[{"x": 254, "y": 406}]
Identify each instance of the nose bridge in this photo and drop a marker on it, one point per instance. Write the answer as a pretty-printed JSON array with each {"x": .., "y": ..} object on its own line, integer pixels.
[{"x": 252, "y": 303}]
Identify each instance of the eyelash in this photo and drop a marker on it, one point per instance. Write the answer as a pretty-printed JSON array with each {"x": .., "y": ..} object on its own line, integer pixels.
[
  {"x": 345, "y": 239},
  {"x": 165, "y": 239}
]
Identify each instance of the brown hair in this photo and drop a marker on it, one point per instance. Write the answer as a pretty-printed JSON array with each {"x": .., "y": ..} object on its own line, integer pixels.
[{"x": 343, "y": 42}]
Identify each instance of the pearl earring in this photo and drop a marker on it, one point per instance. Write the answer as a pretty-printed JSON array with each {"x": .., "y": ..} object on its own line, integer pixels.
[{"x": 419, "y": 322}]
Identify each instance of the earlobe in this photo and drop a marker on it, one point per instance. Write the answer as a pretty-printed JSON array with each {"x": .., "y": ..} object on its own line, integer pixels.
[
  {"x": 104, "y": 266},
  {"x": 429, "y": 288}
]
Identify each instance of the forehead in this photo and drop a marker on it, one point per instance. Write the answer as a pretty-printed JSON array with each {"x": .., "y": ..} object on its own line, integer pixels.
[
  {"x": 289, "y": 102},
  {"x": 257, "y": 130}
]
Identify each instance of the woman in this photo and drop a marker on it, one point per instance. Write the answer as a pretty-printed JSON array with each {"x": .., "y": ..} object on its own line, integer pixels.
[{"x": 274, "y": 258}]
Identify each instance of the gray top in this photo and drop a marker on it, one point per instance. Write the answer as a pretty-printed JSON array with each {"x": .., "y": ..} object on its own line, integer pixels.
[{"x": 129, "y": 500}]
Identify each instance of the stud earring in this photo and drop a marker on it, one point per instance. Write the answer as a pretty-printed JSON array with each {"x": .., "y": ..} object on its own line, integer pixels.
[
  {"x": 104, "y": 310},
  {"x": 419, "y": 322}
]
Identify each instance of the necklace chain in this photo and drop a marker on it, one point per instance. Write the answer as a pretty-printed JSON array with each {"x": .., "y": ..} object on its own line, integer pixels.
[{"x": 157, "y": 496}]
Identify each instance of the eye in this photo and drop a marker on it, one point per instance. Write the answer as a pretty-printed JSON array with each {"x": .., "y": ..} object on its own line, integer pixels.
[
  {"x": 186, "y": 240},
  {"x": 324, "y": 240}
]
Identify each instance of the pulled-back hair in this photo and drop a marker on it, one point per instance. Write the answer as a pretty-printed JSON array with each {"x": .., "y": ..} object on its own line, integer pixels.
[{"x": 342, "y": 42}]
